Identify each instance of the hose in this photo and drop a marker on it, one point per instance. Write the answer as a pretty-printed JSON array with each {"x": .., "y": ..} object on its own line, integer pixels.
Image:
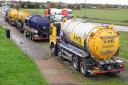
[{"x": 50, "y": 55}]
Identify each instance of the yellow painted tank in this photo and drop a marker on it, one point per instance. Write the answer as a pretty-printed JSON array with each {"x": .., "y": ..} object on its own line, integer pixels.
[
  {"x": 13, "y": 14},
  {"x": 102, "y": 42},
  {"x": 22, "y": 15}
]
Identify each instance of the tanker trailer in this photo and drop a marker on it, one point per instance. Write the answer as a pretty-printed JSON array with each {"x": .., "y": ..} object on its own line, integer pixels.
[
  {"x": 92, "y": 49},
  {"x": 5, "y": 7},
  {"x": 55, "y": 15},
  {"x": 12, "y": 16},
  {"x": 37, "y": 27},
  {"x": 20, "y": 20}
]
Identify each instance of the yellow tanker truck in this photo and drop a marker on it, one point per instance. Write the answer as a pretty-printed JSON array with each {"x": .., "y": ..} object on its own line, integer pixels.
[
  {"x": 11, "y": 16},
  {"x": 92, "y": 49},
  {"x": 20, "y": 20}
]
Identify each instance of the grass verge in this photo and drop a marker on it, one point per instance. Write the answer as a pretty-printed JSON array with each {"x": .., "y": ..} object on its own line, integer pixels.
[
  {"x": 124, "y": 45},
  {"x": 15, "y": 67},
  {"x": 111, "y": 16}
]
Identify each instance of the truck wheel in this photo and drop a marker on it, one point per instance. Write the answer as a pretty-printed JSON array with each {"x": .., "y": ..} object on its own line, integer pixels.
[
  {"x": 26, "y": 35},
  {"x": 12, "y": 23},
  {"x": 30, "y": 35},
  {"x": 83, "y": 67},
  {"x": 75, "y": 63},
  {"x": 9, "y": 22},
  {"x": 21, "y": 30},
  {"x": 60, "y": 54},
  {"x": 33, "y": 39}
]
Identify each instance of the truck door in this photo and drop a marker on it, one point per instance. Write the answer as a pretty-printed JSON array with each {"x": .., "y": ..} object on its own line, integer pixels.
[{"x": 53, "y": 34}]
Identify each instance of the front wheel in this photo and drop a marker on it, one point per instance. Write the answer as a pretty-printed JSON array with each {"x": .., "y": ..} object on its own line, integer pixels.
[
  {"x": 75, "y": 63},
  {"x": 21, "y": 30},
  {"x": 32, "y": 37},
  {"x": 60, "y": 54}
]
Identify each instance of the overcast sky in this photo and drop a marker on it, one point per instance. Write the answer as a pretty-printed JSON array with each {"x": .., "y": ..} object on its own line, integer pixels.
[{"x": 123, "y": 2}]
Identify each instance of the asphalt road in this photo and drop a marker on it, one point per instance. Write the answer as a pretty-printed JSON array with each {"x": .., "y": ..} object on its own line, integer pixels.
[
  {"x": 117, "y": 27},
  {"x": 121, "y": 28},
  {"x": 32, "y": 49}
]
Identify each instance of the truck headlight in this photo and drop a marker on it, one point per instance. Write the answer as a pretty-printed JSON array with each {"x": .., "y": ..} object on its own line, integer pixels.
[{"x": 36, "y": 31}]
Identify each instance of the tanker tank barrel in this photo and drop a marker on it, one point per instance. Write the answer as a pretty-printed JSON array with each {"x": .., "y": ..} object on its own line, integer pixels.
[{"x": 100, "y": 41}]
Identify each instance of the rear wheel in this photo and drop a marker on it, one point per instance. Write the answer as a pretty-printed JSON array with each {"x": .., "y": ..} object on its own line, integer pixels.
[
  {"x": 75, "y": 63},
  {"x": 83, "y": 67}
]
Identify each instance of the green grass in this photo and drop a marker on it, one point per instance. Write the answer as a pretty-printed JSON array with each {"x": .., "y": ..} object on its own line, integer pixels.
[
  {"x": 114, "y": 16},
  {"x": 34, "y": 11},
  {"x": 124, "y": 45},
  {"x": 15, "y": 67},
  {"x": 111, "y": 16},
  {"x": 102, "y": 79}
]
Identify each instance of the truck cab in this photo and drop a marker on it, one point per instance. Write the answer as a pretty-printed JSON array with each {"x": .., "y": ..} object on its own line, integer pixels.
[{"x": 57, "y": 15}]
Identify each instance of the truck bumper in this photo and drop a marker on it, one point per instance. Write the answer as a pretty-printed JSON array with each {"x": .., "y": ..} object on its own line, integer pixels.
[
  {"x": 96, "y": 72},
  {"x": 109, "y": 71},
  {"x": 36, "y": 37}
]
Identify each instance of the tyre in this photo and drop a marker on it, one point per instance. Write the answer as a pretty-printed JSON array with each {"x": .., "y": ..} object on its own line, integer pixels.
[
  {"x": 30, "y": 35},
  {"x": 75, "y": 63},
  {"x": 21, "y": 30},
  {"x": 32, "y": 38},
  {"x": 60, "y": 54},
  {"x": 83, "y": 67},
  {"x": 26, "y": 35},
  {"x": 12, "y": 23}
]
